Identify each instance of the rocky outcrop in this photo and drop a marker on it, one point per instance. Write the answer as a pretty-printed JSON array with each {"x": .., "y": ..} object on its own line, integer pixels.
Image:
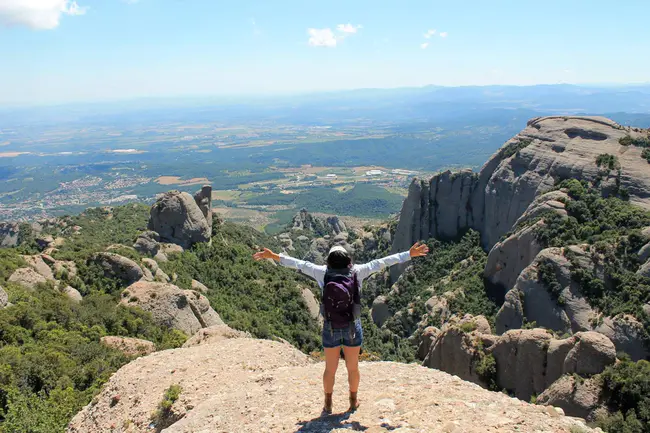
[
  {"x": 311, "y": 303},
  {"x": 627, "y": 334},
  {"x": 179, "y": 220},
  {"x": 337, "y": 226},
  {"x": 148, "y": 243},
  {"x": 251, "y": 387},
  {"x": 547, "y": 150},
  {"x": 590, "y": 355},
  {"x": 185, "y": 310},
  {"x": 4, "y": 298},
  {"x": 199, "y": 287},
  {"x": 511, "y": 313},
  {"x": 38, "y": 264},
  {"x": 580, "y": 398},
  {"x": 9, "y": 233},
  {"x": 214, "y": 334},
  {"x": 118, "y": 267},
  {"x": 527, "y": 360},
  {"x": 27, "y": 277},
  {"x": 129, "y": 346},
  {"x": 380, "y": 311},
  {"x": 72, "y": 293},
  {"x": 203, "y": 199}
]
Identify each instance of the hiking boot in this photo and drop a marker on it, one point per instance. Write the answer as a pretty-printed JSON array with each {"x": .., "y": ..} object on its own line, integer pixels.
[
  {"x": 328, "y": 403},
  {"x": 354, "y": 402}
]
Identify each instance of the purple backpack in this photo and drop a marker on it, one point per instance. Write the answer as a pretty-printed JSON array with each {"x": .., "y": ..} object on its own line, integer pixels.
[{"x": 341, "y": 300}]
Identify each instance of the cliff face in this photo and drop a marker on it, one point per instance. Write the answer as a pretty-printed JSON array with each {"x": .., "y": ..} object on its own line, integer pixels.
[
  {"x": 248, "y": 385},
  {"x": 547, "y": 150}
]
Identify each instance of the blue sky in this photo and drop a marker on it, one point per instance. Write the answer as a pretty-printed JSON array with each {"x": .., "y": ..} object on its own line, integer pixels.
[{"x": 60, "y": 51}]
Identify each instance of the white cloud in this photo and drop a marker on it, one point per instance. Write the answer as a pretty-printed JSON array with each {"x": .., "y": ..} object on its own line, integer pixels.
[
  {"x": 429, "y": 33},
  {"x": 348, "y": 28},
  {"x": 443, "y": 34},
  {"x": 321, "y": 38},
  {"x": 424, "y": 45},
  {"x": 37, "y": 14}
]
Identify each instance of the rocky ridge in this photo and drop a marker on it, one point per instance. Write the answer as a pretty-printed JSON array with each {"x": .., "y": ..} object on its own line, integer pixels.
[{"x": 265, "y": 386}]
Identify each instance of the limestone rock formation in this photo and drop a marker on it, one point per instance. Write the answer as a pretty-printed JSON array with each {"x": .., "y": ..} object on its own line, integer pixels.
[
  {"x": 492, "y": 201},
  {"x": 36, "y": 263},
  {"x": 179, "y": 220},
  {"x": 336, "y": 224},
  {"x": 312, "y": 304},
  {"x": 521, "y": 361},
  {"x": 147, "y": 243},
  {"x": 4, "y": 298},
  {"x": 203, "y": 199},
  {"x": 185, "y": 310},
  {"x": 590, "y": 355},
  {"x": 72, "y": 293},
  {"x": 627, "y": 334},
  {"x": 214, "y": 334},
  {"x": 579, "y": 398},
  {"x": 511, "y": 313},
  {"x": 116, "y": 266},
  {"x": 380, "y": 311},
  {"x": 128, "y": 345},
  {"x": 9, "y": 234},
  {"x": 27, "y": 277},
  {"x": 251, "y": 387},
  {"x": 528, "y": 361},
  {"x": 199, "y": 287}
]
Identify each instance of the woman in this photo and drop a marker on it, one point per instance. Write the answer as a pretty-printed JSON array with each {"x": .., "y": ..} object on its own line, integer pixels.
[{"x": 340, "y": 268}]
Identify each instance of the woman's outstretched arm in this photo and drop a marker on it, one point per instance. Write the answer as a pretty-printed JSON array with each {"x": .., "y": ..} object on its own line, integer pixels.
[
  {"x": 311, "y": 270},
  {"x": 365, "y": 270}
]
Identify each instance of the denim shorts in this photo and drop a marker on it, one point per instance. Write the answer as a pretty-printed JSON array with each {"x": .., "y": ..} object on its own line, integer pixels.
[{"x": 351, "y": 336}]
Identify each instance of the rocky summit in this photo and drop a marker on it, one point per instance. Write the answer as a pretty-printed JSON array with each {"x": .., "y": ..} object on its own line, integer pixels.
[
  {"x": 491, "y": 201},
  {"x": 248, "y": 385}
]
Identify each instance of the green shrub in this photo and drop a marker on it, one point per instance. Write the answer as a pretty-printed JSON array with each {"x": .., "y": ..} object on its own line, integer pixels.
[
  {"x": 468, "y": 327},
  {"x": 514, "y": 147},
  {"x": 645, "y": 154},
  {"x": 486, "y": 367},
  {"x": 626, "y": 386},
  {"x": 161, "y": 417},
  {"x": 608, "y": 161}
]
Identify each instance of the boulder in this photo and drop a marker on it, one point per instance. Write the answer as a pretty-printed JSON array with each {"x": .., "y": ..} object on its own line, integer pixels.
[
  {"x": 9, "y": 233},
  {"x": 214, "y": 334},
  {"x": 61, "y": 267},
  {"x": 454, "y": 352},
  {"x": 438, "y": 309},
  {"x": 4, "y": 298},
  {"x": 129, "y": 346},
  {"x": 148, "y": 243},
  {"x": 44, "y": 242},
  {"x": 185, "y": 310},
  {"x": 627, "y": 334},
  {"x": 521, "y": 361},
  {"x": 578, "y": 398},
  {"x": 590, "y": 355},
  {"x": 199, "y": 287},
  {"x": 37, "y": 264},
  {"x": 426, "y": 338},
  {"x": 72, "y": 293},
  {"x": 380, "y": 311},
  {"x": 178, "y": 219},
  {"x": 116, "y": 266},
  {"x": 27, "y": 277},
  {"x": 511, "y": 313},
  {"x": 150, "y": 264},
  {"x": 644, "y": 253},
  {"x": 555, "y": 356},
  {"x": 311, "y": 303},
  {"x": 644, "y": 270},
  {"x": 203, "y": 199}
]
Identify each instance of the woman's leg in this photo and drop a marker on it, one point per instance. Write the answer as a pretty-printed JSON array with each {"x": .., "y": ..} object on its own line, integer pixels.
[
  {"x": 352, "y": 364},
  {"x": 331, "y": 364}
]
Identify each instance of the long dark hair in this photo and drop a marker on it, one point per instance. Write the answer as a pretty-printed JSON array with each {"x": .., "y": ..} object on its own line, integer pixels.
[{"x": 338, "y": 260}]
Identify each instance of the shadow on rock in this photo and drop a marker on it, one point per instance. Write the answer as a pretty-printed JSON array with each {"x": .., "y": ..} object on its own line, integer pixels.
[{"x": 326, "y": 423}]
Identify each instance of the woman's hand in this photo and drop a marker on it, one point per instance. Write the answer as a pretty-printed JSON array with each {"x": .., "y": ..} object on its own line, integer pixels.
[
  {"x": 266, "y": 254},
  {"x": 419, "y": 250}
]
